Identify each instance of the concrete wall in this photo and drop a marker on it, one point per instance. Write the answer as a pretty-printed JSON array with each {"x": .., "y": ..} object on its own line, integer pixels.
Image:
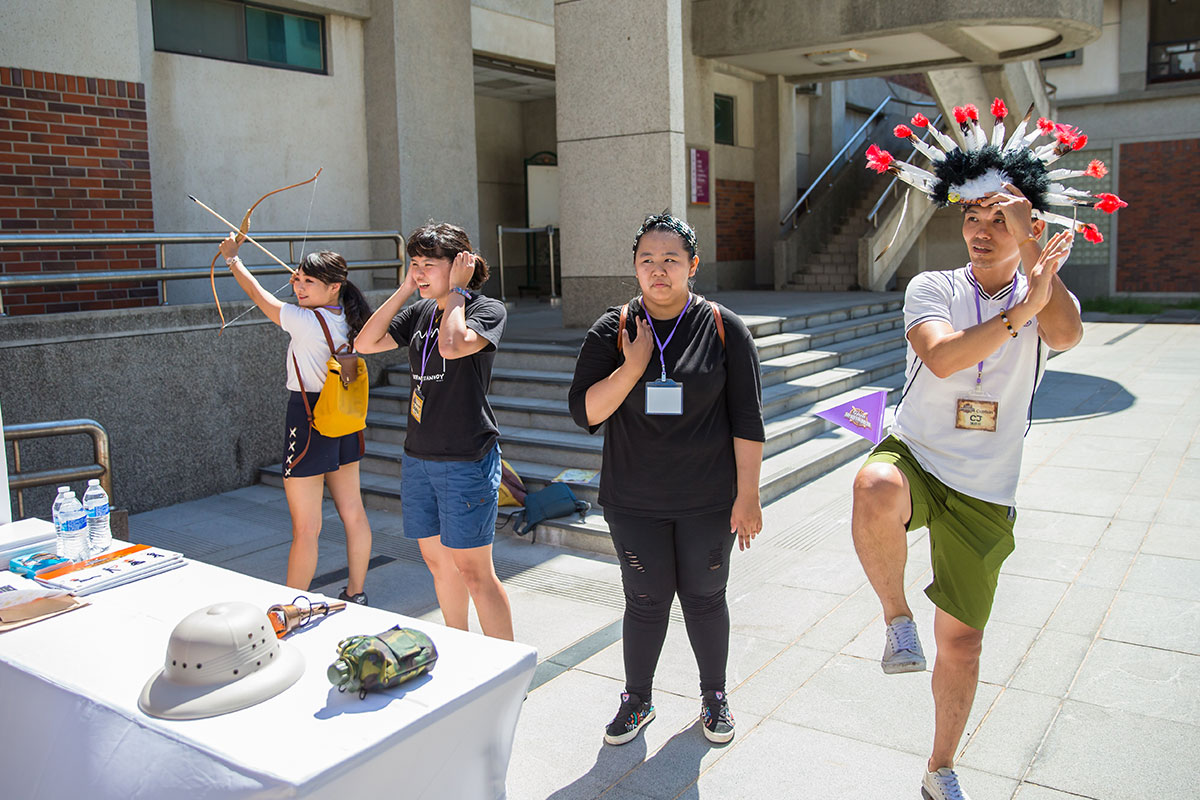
[
  {"x": 97, "y": 39},
  {"x": 1098, "y": 72},
  {"x": 500, "y": 151},
  {"x": 521, "y": 30},
  {"x": 229, "y": 133},
  {"x": 188, "y": 414}
]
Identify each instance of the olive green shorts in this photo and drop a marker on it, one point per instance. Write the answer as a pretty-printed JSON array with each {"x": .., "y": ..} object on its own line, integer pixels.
[{"x": 969, "y": 538}]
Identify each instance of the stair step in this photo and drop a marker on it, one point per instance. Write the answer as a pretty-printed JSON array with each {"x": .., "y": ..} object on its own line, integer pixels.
[{"x": 511, "y": 411}]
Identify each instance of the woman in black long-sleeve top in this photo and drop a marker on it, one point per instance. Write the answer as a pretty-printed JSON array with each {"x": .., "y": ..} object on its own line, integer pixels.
[{"x": 679, "y": 389}]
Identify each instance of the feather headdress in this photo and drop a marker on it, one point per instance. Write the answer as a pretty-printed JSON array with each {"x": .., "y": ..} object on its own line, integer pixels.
[{"x": 965, "y": 175}]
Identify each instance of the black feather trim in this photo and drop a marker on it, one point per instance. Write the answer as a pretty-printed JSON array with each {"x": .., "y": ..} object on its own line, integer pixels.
[{"x": 1027, "y": 172}]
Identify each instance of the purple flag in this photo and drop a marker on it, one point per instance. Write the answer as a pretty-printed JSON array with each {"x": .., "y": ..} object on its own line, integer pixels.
[{"x": 863, "y": 415}]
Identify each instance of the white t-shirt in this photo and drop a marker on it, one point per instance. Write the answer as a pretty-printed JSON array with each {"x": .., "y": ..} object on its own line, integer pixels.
[
  {"x": 980, "y": 464},
  {"x": 308, "y": 343}
]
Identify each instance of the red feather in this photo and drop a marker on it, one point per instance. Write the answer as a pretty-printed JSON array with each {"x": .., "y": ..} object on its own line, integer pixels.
[
  {"x": 1092, "y": 234},
  {"x": 920, "y": 120},
  {"x": 879, "y": 160},
  {"x": 971, "y": 111},
  {"x": 960, "y": 115},
  {"x": 999, "y": 110},
  {"x": 1096, "y": 169},
  {"x": 1046, "y": 126},
  {"x": 1080, "y": 142},
  {"x": 1109, "y": 203},
  {"x": 902, "y": 131}
]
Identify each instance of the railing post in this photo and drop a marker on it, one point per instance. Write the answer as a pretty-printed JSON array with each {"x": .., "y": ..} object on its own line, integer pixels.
[
  {"x": 162, "y": 264},
  {"x": 500, "y": 252},
  {"x": 554, "y": 298}
]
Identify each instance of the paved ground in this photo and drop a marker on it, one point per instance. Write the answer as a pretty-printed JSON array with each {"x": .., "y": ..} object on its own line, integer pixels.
[{"x": 1091, "y": 667}]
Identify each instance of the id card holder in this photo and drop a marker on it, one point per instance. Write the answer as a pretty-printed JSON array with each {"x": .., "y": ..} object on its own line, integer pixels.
[
  {"x": 976, "y": 412},
  {"x": 664, "y": 397},
  {"x": 417, "y": 404}
]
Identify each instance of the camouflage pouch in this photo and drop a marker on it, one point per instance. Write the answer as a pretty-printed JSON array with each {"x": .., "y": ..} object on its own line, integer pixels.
[{"x": 382, "y": 661}]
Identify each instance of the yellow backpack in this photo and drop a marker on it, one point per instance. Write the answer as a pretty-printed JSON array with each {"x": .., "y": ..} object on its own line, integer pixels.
[{"x": 342, "y": 405}]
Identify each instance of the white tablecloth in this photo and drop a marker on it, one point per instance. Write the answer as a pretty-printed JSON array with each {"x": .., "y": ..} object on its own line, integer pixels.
[{"x": 70, "y": 725}]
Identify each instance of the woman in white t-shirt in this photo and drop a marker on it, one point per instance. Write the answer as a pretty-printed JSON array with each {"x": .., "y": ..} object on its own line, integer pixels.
[{"x": 312, "y": 461}]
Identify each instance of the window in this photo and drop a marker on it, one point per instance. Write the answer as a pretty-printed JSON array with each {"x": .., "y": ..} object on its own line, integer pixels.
[
  {"x": 1064, "y": 59},
  {"x": 723, "y": 120},
  {"x": 1174, "y": 46},
  {"x": 231, "y": 30}
]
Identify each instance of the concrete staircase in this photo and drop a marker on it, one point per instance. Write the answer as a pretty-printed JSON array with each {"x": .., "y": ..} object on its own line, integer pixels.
[
  {"x": 834, "y": 267},
  {"x": 809, "y": 361}
]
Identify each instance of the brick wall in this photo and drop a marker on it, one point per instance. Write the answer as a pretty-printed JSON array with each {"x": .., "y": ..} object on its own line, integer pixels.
[
  {"x": 735, "y": 220},
  {"x": 1158, "y": 246},
  {"x": 74, "y": 158}
]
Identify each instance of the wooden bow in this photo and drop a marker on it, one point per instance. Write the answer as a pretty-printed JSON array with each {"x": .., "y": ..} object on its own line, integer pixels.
[{"x": 243, "y": 231}]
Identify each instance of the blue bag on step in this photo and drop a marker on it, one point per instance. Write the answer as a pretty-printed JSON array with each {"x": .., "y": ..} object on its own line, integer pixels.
[{"x": 556, "y": 500}]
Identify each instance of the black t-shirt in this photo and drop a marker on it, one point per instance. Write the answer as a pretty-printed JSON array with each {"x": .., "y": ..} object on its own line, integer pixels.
[
  {"x": 657, "y": 465},
  {"x": 457, "y": 423}
]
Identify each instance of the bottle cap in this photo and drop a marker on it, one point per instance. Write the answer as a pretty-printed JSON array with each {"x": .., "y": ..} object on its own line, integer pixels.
[
  {"x": 94, "y": 482},
  {"x": 338, "y": 673},
  {"x": 64, "y": 488}
]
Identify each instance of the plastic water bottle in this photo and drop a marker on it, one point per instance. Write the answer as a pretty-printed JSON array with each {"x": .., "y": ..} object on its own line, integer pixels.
[
  {"x": 56, "y": 516},
  {"x": 73, "y": 537},
  {"x": 95, "y": 503}
]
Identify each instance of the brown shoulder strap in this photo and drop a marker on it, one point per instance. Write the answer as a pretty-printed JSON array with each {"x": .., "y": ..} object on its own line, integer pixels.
[
  {"x": 621, "y": 324},
  {"x": 720, "y": 322},
  {"x": 325, "y": 328}
]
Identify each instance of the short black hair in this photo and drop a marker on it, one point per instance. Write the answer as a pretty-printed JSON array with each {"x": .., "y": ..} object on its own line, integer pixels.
[{"x": 670, "y": 224}]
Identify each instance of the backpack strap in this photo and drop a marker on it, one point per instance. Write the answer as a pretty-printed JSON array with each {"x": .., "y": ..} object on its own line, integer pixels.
[
  {"x": 621, "y": 324},
  {"x": 325, "y": 330},
  {"x": 717, "y": 319}
]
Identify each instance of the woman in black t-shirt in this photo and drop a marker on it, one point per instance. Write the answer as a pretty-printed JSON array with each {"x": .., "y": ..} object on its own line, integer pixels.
[
  {"x": 679, "y": 392},
  {"x": 450, "y": 471}
]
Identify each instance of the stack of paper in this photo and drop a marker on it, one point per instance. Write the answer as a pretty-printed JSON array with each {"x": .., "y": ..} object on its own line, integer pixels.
[
  {"x": 111, "y": 569},
  {"x": 25, "y": 536}
]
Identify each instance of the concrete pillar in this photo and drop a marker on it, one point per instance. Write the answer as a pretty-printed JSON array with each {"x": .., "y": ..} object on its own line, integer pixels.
[
  {"x": 421, "y": 145},
  {"x": 827, "y": 125},
  {"x": 774, "y": 169},
  {"x": 1018, "y": 84},
  {"x": 621, "y": 155}
]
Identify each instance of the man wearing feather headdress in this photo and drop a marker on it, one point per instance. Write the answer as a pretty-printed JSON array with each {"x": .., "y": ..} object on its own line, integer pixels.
[{"x": 977, "y": 339}]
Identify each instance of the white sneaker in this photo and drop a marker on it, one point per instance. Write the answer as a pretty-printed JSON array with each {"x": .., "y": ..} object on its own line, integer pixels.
[
  {"x": 902, "y": 652},
  {"x": 942, "y": 785}
]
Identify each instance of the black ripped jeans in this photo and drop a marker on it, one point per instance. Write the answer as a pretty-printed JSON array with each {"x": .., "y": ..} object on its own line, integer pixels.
[{"x": 660, "y": 557}]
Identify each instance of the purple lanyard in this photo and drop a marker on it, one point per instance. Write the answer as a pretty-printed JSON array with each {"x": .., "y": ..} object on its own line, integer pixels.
[
  {"x": 425, "y": 351},
  {"x": 979, "y": 317},
  {"x": 662, "y": 346}
]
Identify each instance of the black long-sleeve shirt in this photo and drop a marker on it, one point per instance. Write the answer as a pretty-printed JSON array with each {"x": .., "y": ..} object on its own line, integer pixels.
[{"x": 664, "y": 466}]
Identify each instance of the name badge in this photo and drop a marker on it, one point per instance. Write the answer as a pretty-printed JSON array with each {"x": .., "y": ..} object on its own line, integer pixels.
[
  {"x": 664, "y": 397},
  {"x": 976, "y": 414},
  {"x": 417, "y": 404}
]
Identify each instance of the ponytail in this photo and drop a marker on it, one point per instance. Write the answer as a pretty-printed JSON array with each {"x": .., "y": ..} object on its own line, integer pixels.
[
  {"x": 355, "y": 306},
  {"x": 481, "y": 273}
]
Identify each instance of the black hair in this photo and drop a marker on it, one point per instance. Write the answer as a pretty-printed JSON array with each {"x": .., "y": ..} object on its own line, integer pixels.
[
  {"x": 1024, "y": 170},
  {"x": 669, "y": 224},
  {"x": 329, "y": 267},
  {"x": 443, "y": 240}
]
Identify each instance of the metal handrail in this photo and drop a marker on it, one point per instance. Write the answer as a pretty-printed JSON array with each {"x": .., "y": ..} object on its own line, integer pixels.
[
  {"x": 102, "y": 468},
  {"x": 549, "y": 231},
  {"x": 162, "y": 273},
  {"x": 792, "y": 213},
  {"x": 873, "y": 214}
]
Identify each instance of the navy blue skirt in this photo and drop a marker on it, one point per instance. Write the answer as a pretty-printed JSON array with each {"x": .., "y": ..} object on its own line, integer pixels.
[{"x": 306, "y": 452}]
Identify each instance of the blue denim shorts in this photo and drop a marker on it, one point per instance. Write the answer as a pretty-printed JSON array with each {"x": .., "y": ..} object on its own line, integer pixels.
[{"x": 457, "y": 500}]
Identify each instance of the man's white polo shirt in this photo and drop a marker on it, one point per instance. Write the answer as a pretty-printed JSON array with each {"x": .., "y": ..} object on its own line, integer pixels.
[{"x": 980, "y": 464}]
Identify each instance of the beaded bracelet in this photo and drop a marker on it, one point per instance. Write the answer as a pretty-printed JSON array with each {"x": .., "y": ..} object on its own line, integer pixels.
[{"x": 1007, "y": 324}]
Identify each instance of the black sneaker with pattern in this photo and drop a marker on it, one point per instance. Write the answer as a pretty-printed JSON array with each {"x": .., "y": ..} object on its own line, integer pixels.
[
  {"x": 358, "y": 599},
  {"x": 716, "y": 716},
  {"x": 631, "y": 716}
]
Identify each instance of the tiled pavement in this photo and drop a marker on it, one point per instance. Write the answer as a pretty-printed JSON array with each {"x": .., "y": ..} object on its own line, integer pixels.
[{"x": 1090, "y": 680}]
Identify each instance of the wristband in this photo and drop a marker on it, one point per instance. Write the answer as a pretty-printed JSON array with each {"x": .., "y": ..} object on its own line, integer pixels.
[
  {"x": 229, "y": 261},
  {"x": 1030, "y": 239},
  {"x": 1007, "y": 324},
  {"x": 462, "y": 291}
]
